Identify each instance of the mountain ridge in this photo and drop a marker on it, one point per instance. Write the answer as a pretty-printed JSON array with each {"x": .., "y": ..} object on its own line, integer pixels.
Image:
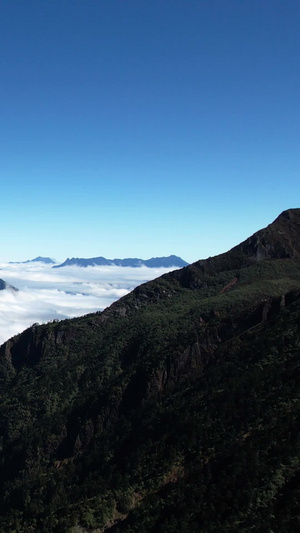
[
  {"x": 154, "y": 262},
  {"x": 175, "y": 409}
]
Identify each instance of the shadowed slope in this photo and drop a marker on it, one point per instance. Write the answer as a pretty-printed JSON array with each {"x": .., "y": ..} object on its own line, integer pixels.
[{"x": 176, "y": 409}]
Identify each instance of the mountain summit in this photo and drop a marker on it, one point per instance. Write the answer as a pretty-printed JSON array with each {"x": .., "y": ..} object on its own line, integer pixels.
[
  {"x": 281, "y": 239},
  {"x": 175, "y": 409}
]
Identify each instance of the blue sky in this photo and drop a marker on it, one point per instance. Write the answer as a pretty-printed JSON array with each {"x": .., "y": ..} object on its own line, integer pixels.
[{"x": 146, "y": 128}]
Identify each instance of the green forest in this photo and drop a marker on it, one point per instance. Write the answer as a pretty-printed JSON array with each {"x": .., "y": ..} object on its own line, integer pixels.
[{"x": 177, "y": 409}]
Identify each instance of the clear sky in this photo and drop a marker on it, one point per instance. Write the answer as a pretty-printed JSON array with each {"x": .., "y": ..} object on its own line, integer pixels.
[{"x": 146, "y": 127}]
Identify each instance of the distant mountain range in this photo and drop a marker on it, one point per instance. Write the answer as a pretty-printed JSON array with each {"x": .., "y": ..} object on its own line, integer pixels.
[
  {"x": 154, "y": 262},
  {"x": 38, "y": 259}
]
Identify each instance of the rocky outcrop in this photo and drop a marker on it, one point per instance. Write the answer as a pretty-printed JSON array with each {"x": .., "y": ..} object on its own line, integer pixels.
[{"x": 279, "y": 240}]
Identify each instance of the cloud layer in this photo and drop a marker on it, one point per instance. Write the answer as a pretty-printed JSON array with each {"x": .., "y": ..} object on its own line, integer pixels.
[{"x": 45, "y": 294}]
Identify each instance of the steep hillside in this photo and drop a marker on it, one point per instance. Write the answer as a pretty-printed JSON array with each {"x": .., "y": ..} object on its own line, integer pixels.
[{"x": 176, "y": 409}]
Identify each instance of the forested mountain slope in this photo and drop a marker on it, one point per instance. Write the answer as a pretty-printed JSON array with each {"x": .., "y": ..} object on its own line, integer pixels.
[{"x": 175, "y": 410}]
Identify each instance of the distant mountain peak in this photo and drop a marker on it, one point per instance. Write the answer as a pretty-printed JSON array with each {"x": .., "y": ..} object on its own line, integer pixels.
[
  {"x": 39, "y": 259},
  {"x": 4, "y": 286}
]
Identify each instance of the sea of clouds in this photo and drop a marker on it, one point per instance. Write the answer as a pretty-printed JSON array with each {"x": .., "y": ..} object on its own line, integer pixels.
[{"x": 45, "y": 293}]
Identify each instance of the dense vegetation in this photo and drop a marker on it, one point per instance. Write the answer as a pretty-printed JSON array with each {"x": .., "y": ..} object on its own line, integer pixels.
[{"x": 177, "y": 409}]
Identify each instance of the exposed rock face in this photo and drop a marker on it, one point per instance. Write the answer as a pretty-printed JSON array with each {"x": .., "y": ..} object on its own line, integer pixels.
[{"x": 278, "y": 240}]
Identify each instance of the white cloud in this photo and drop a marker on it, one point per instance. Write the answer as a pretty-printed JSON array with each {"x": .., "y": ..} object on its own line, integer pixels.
[{"x": 45, "y": 293}]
